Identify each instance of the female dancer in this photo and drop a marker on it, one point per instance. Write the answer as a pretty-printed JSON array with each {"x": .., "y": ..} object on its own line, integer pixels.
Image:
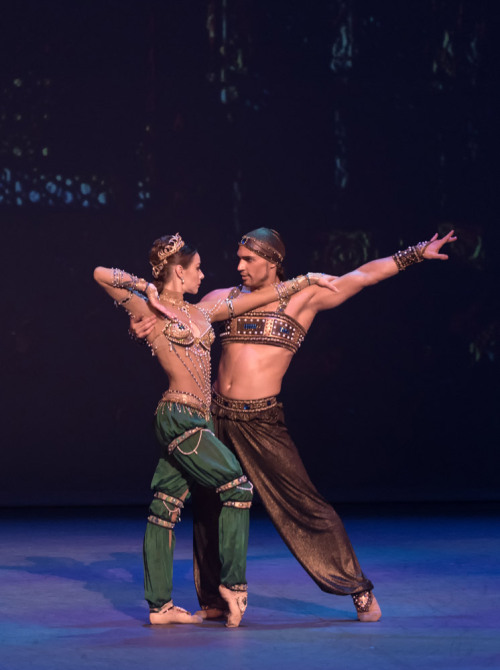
[{"x": 181, "y": 340}]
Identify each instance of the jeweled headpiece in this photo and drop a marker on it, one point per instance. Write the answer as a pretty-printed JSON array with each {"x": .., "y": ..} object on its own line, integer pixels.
[
  {"x": 262, "y": 242},
  {"x": 174, "y": 244}
]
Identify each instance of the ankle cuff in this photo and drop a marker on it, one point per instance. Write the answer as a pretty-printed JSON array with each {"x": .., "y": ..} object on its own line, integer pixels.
[
  {"x": 362, "y": 600},
  {"x": 237, "y": 587}
]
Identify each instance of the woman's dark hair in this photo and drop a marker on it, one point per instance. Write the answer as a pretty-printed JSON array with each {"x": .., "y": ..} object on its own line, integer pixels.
[{"x": 164, "y": 267}]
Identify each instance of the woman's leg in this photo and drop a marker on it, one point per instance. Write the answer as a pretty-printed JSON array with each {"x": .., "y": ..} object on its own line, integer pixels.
[
  {"x": 189, "y": 442},
  {"x": 170, "y": 488},
  {"x": 210, "y": 464}
]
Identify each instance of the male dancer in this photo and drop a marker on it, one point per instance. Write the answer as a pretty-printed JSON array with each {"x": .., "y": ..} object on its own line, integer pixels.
[{"x": 257, "y": 349}]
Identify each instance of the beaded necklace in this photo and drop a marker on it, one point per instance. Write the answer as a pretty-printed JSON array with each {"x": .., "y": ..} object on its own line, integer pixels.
[{"x": 174, "y": 298}]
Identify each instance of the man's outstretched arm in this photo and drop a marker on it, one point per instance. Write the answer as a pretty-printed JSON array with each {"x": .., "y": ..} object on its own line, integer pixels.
[{"x": 376, "y": 271}]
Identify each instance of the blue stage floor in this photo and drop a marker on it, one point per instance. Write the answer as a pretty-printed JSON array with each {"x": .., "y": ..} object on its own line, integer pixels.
[{"x": 71, "y": 595}]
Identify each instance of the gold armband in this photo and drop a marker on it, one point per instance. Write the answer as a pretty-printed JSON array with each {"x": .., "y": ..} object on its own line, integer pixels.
[
  {"x": 230, "y": 307},
  {"x": 288, "y": 288},
  {"x": 410, "y": 256},
  {"x": 119, "y": 281}
]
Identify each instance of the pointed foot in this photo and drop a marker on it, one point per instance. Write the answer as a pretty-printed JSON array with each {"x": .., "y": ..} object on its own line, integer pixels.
[{"x": 236, "y": 603}]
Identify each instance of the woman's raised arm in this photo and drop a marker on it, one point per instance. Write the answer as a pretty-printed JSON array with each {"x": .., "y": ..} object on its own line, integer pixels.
[{"x": 136, "y": 295}]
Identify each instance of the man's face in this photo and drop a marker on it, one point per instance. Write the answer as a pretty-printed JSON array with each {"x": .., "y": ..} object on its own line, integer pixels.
[{"x": 255, "y": 271}]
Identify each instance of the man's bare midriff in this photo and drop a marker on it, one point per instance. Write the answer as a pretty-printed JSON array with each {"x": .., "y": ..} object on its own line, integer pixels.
[{"x": 251, "y": 371}]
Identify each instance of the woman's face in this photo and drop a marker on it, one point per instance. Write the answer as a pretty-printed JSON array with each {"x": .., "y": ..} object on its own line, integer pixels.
[{"x": 193, "y": 275}]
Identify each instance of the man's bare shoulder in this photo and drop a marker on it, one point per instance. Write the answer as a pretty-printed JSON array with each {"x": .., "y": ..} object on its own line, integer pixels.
[{"x": 217, "y": 294}]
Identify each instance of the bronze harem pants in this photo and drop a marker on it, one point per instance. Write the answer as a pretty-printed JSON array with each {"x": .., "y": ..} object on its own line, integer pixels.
[{"x": 308, "y": 524}]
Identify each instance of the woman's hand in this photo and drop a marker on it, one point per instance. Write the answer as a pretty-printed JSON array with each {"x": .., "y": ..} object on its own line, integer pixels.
[
  {"x": 154, "y": 301},
  {"x": 431, "y": 251},
  {"x": 326, "y": 281}
]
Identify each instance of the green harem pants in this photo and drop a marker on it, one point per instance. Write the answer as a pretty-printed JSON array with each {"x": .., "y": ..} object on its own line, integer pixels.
[{"x": 199, "y": 459}]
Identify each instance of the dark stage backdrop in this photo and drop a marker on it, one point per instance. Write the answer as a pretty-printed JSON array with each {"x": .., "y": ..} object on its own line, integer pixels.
[{"x": 355, "y": 128}]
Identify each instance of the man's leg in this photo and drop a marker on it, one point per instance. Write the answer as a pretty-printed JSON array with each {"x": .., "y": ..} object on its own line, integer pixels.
[
  {"x": 206, "y": 559},
  {"x": 307, "y": 523}
]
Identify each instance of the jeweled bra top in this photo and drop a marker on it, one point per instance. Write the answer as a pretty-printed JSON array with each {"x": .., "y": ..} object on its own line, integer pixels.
[
  {"x": 275, "y": 328},
  {"x": 179, "y": 333}
]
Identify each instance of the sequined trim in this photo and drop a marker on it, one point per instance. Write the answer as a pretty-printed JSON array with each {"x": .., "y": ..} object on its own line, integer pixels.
[
  {"x": 283, "y": 302},
  {"x": 362, "y": 601},
  {"x": 179, "y": 440},
  {"x": 231, "y": 485},
  {"x": 262, "y": 249},
  {"x": 274, "y": 328},
  {"x": 242, "y": 588},
  {"x": 155, "y": 520},
  {"x": 257, "y": 405},
  {"x": 409, "y": 256},
  {"x": 166, "y": 498},
  {"x": 236, "y": 503},
  {"x": 183, "y": 400}
]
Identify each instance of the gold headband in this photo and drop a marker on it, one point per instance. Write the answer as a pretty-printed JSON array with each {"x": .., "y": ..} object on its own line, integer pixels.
[
  {"x": 262, "y": 249},
  {"x": 174, "y": 245}
]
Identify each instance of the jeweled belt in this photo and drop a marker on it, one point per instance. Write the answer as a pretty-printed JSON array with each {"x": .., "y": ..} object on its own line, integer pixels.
[
  {"x": 244, "y": 405},
  {"x": 184, "y": 398}
]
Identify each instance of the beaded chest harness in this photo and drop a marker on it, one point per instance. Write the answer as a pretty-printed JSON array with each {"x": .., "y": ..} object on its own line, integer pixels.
[
  {"x": 196, "y": 356},
  {"x": 275, "y": 328}
]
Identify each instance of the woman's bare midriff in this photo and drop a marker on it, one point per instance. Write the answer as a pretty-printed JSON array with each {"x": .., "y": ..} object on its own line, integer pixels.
[{"x": 251, "y": 371}]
